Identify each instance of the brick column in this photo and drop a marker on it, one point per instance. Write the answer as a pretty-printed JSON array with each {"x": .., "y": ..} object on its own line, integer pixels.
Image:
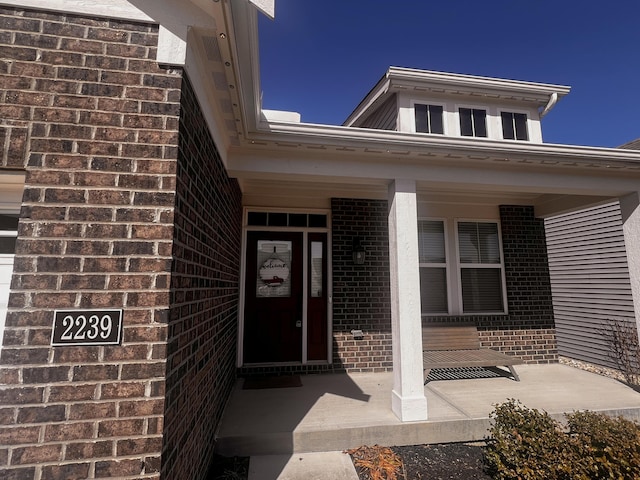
[{"x": 95, "y": 124}]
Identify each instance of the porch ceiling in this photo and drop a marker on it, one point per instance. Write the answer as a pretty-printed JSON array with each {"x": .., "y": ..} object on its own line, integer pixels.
[{"x": 309, "y": 194}]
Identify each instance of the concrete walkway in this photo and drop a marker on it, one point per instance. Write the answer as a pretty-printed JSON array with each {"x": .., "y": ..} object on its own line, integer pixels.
[
  {"x": 303, "y": 466},
  {"x": 331, "y": 413}
]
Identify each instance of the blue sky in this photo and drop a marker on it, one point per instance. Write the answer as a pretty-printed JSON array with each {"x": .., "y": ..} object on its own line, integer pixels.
[{"x": 320, "y": 58}]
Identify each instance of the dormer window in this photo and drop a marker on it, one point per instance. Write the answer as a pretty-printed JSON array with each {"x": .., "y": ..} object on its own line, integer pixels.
[
  {"x": 429, "y": 118},
  {"x": 514, "y": 126},
  {"x": 473, "y": 122}
]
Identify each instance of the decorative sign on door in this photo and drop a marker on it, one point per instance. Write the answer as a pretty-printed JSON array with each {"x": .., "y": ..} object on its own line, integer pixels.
[{"x": 274, "y": 264}]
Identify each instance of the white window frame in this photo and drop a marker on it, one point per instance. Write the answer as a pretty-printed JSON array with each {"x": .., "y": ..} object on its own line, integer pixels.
[
  {"x": 445, "y": 122},
  {"x": 513, "y": 110},
  {"x": 487, "y": 119},
  {"x": 446, "y": 265},
  {"x": 460, "y": 266},
  {"x": 453, "y": 267}
]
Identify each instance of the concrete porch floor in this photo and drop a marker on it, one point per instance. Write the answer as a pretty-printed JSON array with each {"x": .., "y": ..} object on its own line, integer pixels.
[{"x": 336, "y": 412}]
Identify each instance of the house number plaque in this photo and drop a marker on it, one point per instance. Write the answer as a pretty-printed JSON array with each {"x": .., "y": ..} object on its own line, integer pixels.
[{"x": 87, "y": 327}]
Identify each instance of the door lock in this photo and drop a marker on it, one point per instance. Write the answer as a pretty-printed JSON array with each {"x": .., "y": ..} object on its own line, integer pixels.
[{"x": 299, "y": 324}]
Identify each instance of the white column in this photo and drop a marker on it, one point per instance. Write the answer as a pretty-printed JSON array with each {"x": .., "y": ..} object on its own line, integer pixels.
[
  {"x": 407, "y": 398},
  {"x": 630, "y": 208}
]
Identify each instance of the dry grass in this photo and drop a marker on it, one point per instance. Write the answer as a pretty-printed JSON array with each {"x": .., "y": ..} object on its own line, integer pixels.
[{"x": 379, "y": 463}]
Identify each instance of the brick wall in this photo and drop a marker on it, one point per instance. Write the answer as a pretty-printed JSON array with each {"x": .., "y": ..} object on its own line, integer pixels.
[
  {"x": 203, "y": 321},
  {"x": 528, "y": 331},
  {"x": 361, "y": 293},
  {"x": 94, "y": 121}
]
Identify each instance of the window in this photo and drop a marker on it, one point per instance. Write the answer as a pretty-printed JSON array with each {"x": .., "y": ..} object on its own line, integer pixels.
[
  {"x": 479, "y": 285},
  {"x": 429, "y": 118},
  {"x": 473, "y": 122},
  {"x": 433, "y": 267},
  {"x": 278, "y": 219},
  {"x": 481, "y": 269},
  {"x": 514, "y": 126},
  {"x": 8, "y": 233}
]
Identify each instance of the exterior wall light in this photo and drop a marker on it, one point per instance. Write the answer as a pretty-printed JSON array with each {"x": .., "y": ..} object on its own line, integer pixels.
[{"x": 358, "y": 252}]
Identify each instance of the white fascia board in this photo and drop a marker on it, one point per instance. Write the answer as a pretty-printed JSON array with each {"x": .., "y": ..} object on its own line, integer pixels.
[
  {"x": 246, "y": 61},
  {"x": 472, "y": 83},
  {"x": 389, "y": 141}
]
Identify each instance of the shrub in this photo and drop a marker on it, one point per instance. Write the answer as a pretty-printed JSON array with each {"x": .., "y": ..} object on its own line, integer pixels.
[
  {"x": 527, "y": 444},
  {"x": 624, "y": 349},
  {"x": 606, "y": 447}
]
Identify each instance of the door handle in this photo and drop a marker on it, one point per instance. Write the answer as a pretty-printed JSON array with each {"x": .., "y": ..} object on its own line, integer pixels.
[{"x": 299, "y": 323}]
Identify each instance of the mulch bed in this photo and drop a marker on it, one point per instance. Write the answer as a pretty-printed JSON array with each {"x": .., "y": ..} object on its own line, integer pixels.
[{"x": 428, "y": 462}]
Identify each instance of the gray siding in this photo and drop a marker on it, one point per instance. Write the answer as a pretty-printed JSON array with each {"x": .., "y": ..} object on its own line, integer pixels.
[
  {"x": 383, "y": 118},
  {"x": 589, "y": 279}
]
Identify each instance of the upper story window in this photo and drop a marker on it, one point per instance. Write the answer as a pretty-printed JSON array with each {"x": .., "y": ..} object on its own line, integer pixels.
[
  {"x": 514, "y": 126},
  {"x": 473, "y": 122},
  {"x": 429, "y": 118}
]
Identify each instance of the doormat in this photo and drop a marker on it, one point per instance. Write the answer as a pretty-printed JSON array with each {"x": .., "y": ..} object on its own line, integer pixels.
[{"x": 283, "y": 381}]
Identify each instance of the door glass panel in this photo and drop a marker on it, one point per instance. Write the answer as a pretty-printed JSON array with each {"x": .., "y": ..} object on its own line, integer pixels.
[
  {"x": 316, "y": 269},
  {"x": 274, "y": 268}
]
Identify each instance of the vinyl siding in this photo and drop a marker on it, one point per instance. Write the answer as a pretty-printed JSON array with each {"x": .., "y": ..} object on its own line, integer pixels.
[
  {"x": 589, "y": 279},
  {"x": 383, "y": 118}
]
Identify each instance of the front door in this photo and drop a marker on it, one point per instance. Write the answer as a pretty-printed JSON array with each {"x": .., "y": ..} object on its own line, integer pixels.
[
  {"x": 285, "y": 314},
  {"x": 273, "y": 297}
]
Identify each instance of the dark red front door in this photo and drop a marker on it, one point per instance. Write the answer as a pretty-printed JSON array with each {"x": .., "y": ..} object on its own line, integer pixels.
[{"x": 273, "y": 317}]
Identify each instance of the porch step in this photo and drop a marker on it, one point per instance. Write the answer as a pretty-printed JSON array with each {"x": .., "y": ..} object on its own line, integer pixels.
[{"x": 340, "y": 439}]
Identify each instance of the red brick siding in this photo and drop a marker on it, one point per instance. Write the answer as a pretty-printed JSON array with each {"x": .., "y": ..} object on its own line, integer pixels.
[
  {"x": 203, "y": 320},
  {"x": 88, "y": 114}
]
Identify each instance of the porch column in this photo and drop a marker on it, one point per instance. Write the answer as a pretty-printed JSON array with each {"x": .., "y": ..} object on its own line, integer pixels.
[
  {"x": 408, "y": 401},
  {"x": 630, "y": 209}
]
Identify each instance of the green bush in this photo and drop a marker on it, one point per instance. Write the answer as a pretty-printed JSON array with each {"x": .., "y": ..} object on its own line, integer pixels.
[{"x": 527, "y": 444}]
